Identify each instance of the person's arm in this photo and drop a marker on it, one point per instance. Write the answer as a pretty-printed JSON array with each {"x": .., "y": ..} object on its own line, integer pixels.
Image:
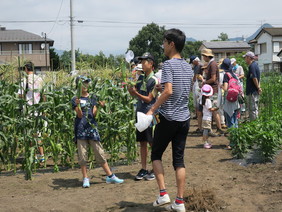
[
  {"x": 213, "y": 109},
  {"x": 241, "y": 73},
  {"x": 77, "y": 109},
  {"x": 146, "y": 99},
  {"x": 255, "y": 80},
  {"x": 94, "y": 110},
  {"x": 167, "y": 92},
  {"x": 225, "y": 86}
]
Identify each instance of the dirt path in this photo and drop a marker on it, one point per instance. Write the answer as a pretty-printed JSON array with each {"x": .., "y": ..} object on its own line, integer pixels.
[{"x": 236, "y": 188}]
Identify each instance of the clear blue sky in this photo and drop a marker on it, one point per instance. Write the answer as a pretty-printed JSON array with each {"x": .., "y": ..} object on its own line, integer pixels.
[{"x": 109, "y": 25}]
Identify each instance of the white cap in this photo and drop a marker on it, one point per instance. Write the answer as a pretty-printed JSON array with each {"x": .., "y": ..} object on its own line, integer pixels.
[{"x": 232, "y": 60}]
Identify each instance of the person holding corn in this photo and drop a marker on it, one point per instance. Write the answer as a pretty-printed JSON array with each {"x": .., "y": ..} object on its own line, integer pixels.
[{"x": 86, "y": 132}]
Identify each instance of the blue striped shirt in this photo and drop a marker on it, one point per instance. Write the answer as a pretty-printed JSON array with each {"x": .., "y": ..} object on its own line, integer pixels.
[{"x": 179, "y": 73}]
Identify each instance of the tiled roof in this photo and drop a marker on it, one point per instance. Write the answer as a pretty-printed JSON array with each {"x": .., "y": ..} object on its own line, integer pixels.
[
  {"x": 20, "y": 36},
  {"x": 274, "y": 31},
  {"x": 226, "y": 44}
]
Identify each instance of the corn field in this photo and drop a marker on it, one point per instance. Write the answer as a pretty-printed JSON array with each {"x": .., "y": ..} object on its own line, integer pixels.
[{"x": 19, "y": 124}]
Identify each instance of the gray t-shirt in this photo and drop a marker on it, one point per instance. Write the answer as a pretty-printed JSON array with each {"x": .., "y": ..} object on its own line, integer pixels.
[{"x": 180, "y": 74}]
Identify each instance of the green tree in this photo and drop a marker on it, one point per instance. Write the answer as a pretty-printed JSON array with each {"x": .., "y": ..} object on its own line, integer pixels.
[
  {"x": 223, "y": 37},
  {"x": 54, "y": 58},
  {"x": 192, "y": 48},
  {"x": 149, "y": 39}
]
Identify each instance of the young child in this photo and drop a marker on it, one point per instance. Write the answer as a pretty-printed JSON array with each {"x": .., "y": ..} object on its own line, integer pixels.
[
  {"x": 86, "y": 133},
  {"x": 206, "y": 92},
  {"x": 144, "y": 91}
]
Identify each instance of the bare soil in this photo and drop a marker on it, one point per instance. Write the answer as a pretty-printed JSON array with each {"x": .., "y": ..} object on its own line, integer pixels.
[{"x": 214, "y": 182}]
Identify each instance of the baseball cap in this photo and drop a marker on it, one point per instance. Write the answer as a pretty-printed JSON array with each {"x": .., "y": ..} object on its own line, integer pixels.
[
  {"x": 249, "y": 54},
  {"x": 83, "y": 79},
  {"x": 232, "y": 60},
  {"x": 146, "y": 55}
]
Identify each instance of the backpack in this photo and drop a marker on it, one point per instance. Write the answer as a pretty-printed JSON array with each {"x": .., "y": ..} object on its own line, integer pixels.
[{"x": 234, "y": 89}]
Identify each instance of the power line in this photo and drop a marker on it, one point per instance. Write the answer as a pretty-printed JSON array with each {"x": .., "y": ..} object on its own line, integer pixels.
[{"x": 56, "y": 17}]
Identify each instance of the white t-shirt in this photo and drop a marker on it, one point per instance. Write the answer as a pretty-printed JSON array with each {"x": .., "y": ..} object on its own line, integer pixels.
[
  {"x": 33, "y": 88},
  {"x": 207, "y": 114}
]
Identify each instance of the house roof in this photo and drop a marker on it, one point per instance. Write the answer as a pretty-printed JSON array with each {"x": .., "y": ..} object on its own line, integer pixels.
[
  {"x": 226, "y": 45},
  {"x": 273, "y": 31},
  {"x": 18, "y": 35},
  {"x": 280, "y": 53}
]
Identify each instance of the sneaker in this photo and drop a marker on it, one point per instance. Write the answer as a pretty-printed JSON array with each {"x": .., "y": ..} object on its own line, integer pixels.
[
  {"x": 212, "y": 134},
  {"x": 141, "y": 174},
  {"x": 114, "y": 179},
  {"x": 41, "y": 158},
  {"x": 176, "y": 207},
  {"x": 86, "y": 183},
  {"x": 207, "y": 146},
  {"x": 162, "y": 200},
  {"x": 219, "y": 132},
  {"x": 150, "y": 176},
  {"x": 223, "y": 126},
  {"x": 198, "y": 131}
]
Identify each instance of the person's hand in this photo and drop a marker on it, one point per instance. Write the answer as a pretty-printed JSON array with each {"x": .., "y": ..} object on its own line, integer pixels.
[
  {"x": 150, "y": 112},
  {"x": 102, "y": 103},
  {"x": 158, "y": 87},
  {"x": 77, "y": 101},
  {"x": 259, "y": 91},
  {"x": 200, "y": 77},
  {"x": 132, "y": 90}
]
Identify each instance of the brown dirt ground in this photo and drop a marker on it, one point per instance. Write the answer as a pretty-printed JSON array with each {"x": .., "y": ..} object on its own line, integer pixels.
[{"x": 211, "y": 176}]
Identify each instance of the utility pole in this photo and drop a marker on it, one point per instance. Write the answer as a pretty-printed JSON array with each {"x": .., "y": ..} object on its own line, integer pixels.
[
  {"x": 72, "y": 40},
  {"x": 46, "y": 52}
]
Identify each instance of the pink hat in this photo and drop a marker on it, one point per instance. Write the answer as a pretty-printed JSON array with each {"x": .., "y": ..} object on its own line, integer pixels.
[{"x": 207, "y": 90}]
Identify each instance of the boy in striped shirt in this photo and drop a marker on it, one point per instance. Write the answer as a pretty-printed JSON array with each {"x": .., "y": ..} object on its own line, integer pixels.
[{"x": 174, "y": 117}]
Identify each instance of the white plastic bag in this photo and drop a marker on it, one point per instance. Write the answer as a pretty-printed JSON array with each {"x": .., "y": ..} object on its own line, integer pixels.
[{"x": 143, "y": 121}]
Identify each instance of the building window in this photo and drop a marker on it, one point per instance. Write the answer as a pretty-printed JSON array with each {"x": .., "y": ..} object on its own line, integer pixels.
[
  {"x": 25, "y": 48},
  {"x": 266, "y": 67},
  {"x": 280, "y": 45},
  {"x": 263, "y": 48}
]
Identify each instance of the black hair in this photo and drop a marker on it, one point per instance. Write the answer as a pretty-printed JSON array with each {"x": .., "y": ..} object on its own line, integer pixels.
[
  {"x": 204, "y": 100},
  {"x": 152, "y": 61},
  {"x": 177, "y": 37},
  {"x": 29, "y": 66}
]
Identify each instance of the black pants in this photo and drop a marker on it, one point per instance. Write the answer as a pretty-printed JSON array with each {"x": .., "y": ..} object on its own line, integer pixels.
[{"x": 173, "y": 131}]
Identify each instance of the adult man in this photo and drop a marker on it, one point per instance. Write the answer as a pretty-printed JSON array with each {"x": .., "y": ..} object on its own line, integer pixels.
[
  {"x": 197, "y": 84},
  {"x": 253, "y": 89},
  {"x": 146, "y": 98},
  {"x": 174, "y": 117},
  {"x": 212, "y": 79},
  {"x": 30, "y": 90}
]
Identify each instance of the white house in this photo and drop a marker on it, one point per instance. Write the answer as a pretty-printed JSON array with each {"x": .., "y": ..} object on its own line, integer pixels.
[{"x": 267, "y": 45}]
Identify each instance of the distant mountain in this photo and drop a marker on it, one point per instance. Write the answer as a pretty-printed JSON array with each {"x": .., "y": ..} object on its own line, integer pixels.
[
  {"x": 266, "y": 25},
  {"x": 191, "y": 39},
  {"x": 59, "y": 52},
  {"x": 236, "y": 39}
]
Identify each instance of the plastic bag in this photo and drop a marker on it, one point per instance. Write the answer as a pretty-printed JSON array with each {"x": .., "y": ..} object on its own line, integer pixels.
[{"x": 143, "y": 121}]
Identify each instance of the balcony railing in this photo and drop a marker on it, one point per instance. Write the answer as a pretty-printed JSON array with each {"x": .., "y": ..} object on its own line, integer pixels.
[{"x": 15, "y": 53}]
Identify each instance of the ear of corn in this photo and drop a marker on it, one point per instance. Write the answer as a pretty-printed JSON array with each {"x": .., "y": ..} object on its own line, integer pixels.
[{"x": 79, "y": 90}]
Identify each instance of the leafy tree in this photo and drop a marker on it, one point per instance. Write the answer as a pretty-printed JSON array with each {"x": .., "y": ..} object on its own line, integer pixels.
[
  {"x": 149, "y": 39},
  {"x": 192, "y": 48},
  {"x": 223, "y": 37},
  {"x": 55, "y": 59}
]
